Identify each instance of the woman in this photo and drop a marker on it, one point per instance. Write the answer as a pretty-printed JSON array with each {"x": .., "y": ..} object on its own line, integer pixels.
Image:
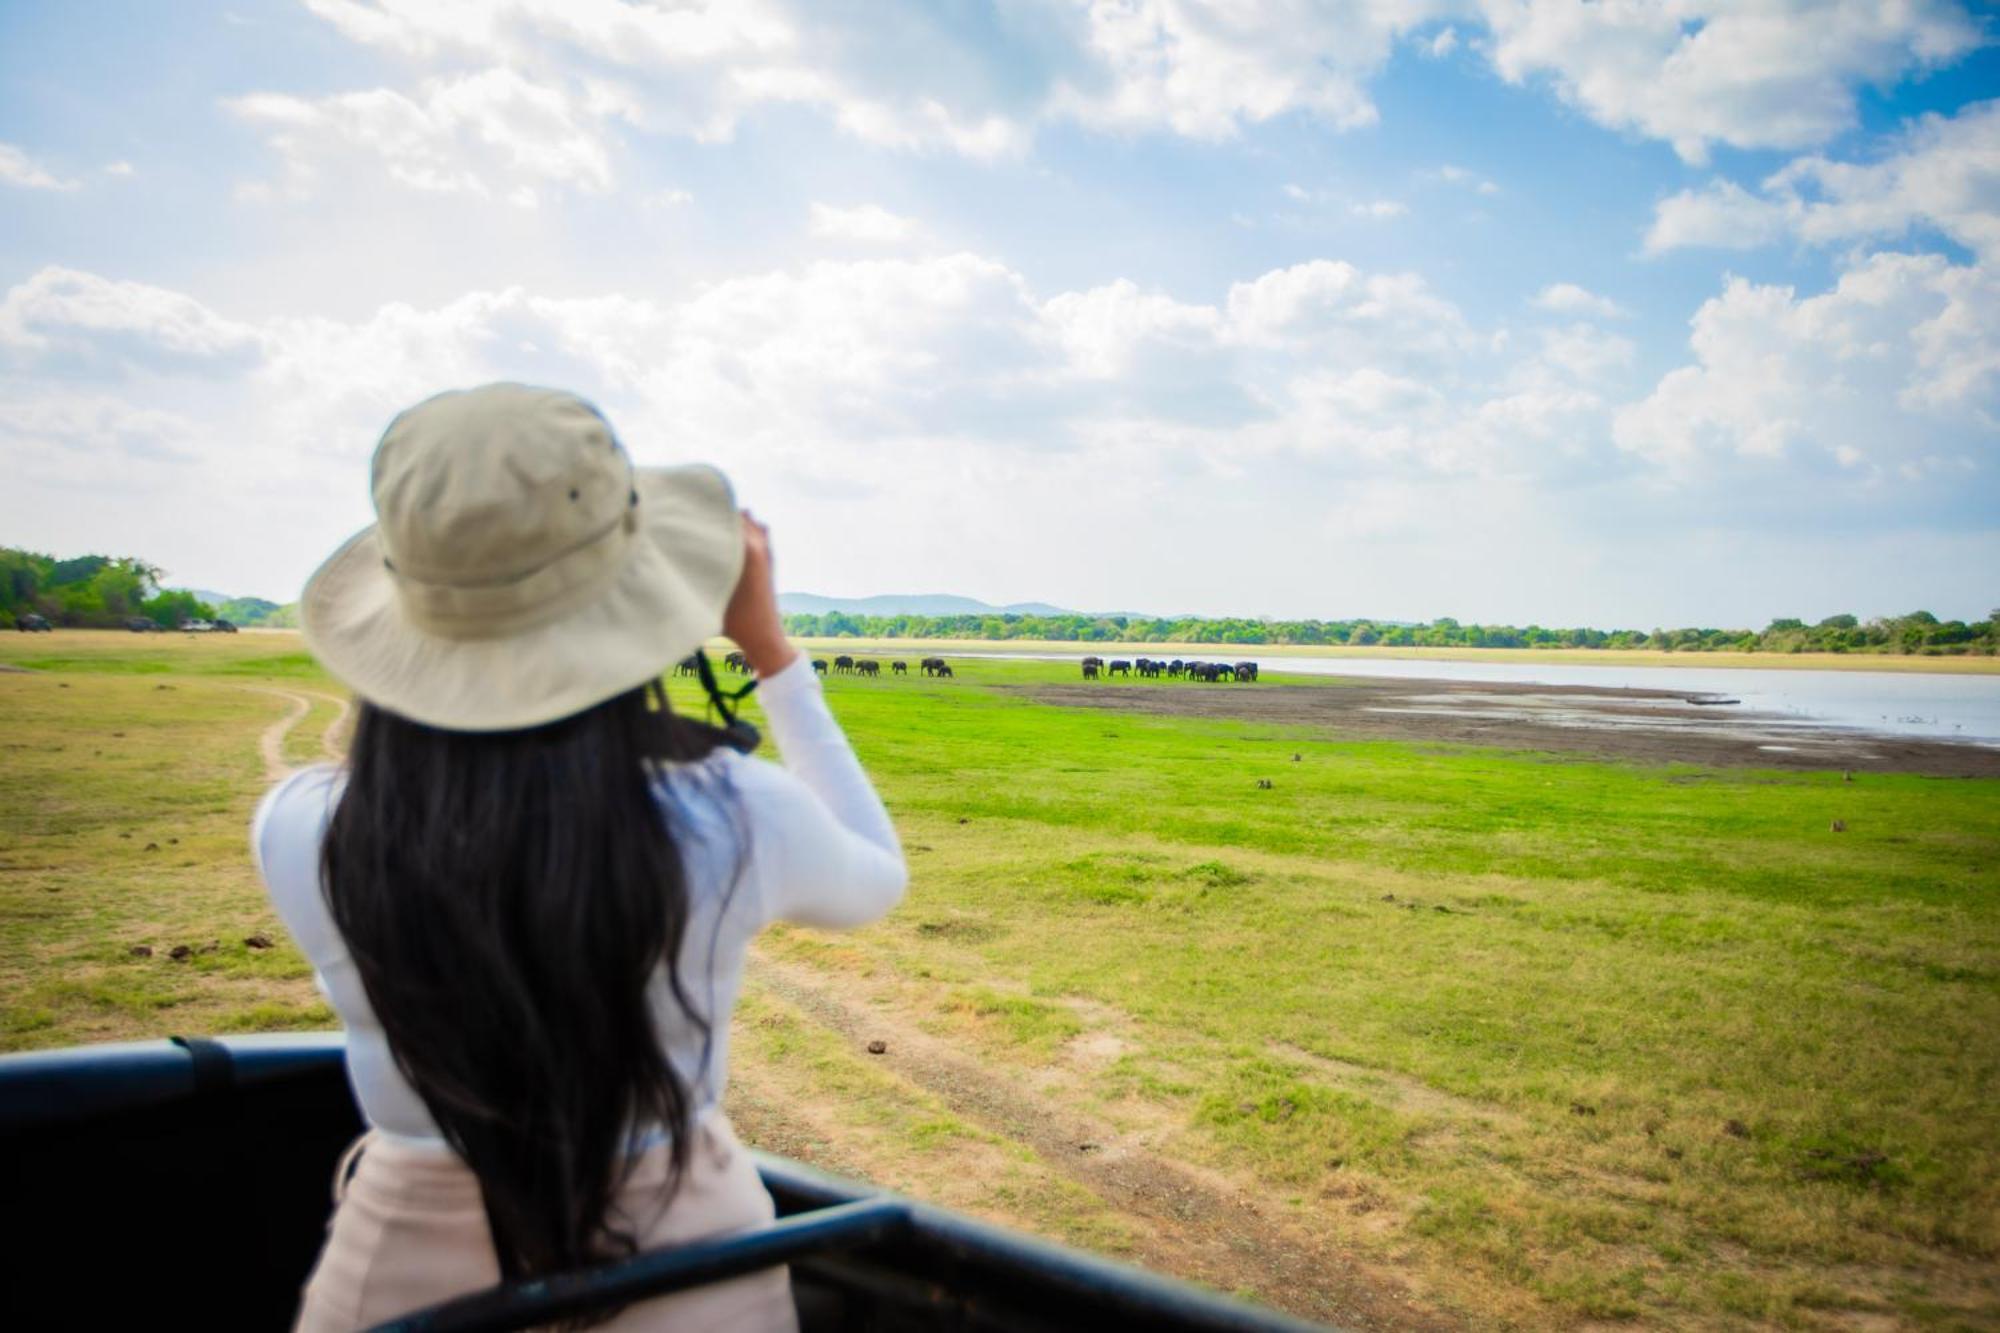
[{"x": 529, "y": 890}]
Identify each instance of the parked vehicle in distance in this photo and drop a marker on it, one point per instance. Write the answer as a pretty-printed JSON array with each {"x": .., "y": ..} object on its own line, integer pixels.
[
  {"x": 140, "y": 625},
  {"x": 221, "y": 626},
  {"x": 30, "y": 623}
]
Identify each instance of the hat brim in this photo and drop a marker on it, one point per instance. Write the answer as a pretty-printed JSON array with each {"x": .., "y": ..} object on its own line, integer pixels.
[{"x": 664, "y": 602}]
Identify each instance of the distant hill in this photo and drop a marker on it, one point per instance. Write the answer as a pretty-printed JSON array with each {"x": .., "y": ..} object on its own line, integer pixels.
[
  {"x": 909, "y": 604},
  {"x": 240, "y": 611}
]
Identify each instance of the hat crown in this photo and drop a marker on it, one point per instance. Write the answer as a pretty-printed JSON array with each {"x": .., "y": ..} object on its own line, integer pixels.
[{"x": 483, "y": 486}]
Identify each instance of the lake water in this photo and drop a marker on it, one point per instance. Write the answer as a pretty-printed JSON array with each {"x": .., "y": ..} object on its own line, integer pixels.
[{"x": 1903, "y": 703}]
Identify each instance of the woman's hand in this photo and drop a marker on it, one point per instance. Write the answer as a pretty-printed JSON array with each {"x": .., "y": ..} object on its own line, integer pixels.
[{"x": 751, "y": 618}]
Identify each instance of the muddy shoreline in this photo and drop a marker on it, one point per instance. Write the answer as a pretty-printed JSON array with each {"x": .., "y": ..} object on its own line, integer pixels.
[{"x": 1636, "y": 725}]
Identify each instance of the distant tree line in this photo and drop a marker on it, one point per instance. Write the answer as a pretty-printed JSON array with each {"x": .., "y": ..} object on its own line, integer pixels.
[
  {"x": 107, "y": 592},
  {"x": 1917, "y": 632}
]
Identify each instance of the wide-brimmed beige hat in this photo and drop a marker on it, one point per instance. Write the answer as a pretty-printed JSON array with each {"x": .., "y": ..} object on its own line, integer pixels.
[{"x": 522, "y": 569}]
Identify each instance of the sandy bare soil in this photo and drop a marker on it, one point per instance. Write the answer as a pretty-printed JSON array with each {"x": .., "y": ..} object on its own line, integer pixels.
[{"x": 1647, "y": 726}]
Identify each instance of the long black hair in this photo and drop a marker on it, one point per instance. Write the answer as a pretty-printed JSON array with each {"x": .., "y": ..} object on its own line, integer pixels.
[{"x": 507, "y": 897}]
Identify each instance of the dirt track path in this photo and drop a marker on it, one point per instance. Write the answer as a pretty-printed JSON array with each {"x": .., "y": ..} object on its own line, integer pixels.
[
  {"x": 333, "y": 741},
  {"x": 1190, "y": 1221},
  {"x": 271, "y": 741}
]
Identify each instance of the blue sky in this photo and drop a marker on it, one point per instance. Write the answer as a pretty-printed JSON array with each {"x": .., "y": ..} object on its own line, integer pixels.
[{"x": 1500, "y": 309}]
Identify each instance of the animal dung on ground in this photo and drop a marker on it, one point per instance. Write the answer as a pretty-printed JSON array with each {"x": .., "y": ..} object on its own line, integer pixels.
[
  {"x": 1582, "y": 1108},
  {"x": 1736, "y": 1129},
  {"x": 180, "y": 953},
  {"x": 1840, "y": 826},
  {"x": 1297, "y": 757},
  {"x": 878, "y": 1047},
  {"x": 257, "y": 942},
  {"x": 141, "y": 951},
  {"x": 1263, "y": 784},
  {"x": 152, "y": 846}
]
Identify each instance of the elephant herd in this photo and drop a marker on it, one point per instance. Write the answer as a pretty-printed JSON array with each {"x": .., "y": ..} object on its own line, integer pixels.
[
  {"x": 1096, "y": 668},
  {"x": 842, "y": 665},
  {"x": 868, "y": 666}
]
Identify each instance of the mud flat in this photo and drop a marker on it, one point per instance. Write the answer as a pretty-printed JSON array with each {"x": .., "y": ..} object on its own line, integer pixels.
[{"x": 1646, "y": 726}]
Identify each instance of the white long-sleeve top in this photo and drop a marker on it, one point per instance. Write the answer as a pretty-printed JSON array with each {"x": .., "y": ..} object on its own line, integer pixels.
[{"x": 807, "y": 842}]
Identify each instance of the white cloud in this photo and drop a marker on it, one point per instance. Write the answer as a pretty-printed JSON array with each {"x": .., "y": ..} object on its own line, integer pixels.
[
  {"x": 1694, "y": 73},
  {"x": 865, "y": 222},
  {"x": 118, "y": 169},
  {"x": 62, "y": 313},
  {"x": 1566, "y": 298},
  {"x": 1722, "y": 214},
  {"x": 1585, "y": 353},
  {"x": 1379, "y": 209},
  {"x": 17, "y": 168},
  {"x": 1939, "y": 171},
  {"x": 697, "y": 69},
  {"x": 92, "y": 442},
  {"x": 1702, "y": 72},
  {"x": 1103, "y": 330},
  {"x": 1895, "y": 373},
  {"x": 1206, "y": 71},
  {"x": 1943, "y": 171},
  {"x": 951, "y": 406},
  {"x": 874, "y": 363},
  {"x": 1347, "y": 315},
  {"x": 1452, "y": 174},
  {"x": 474, "y": 133}
]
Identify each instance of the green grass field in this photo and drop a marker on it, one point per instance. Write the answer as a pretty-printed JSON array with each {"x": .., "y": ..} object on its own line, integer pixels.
[{"x": 1507, "y": 1039}]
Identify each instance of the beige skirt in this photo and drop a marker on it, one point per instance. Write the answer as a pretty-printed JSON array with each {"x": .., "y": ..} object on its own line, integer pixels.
[{"x": 409, "y": 1229}]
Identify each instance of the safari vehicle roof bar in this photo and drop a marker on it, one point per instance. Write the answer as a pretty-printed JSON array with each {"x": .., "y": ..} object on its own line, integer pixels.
[{"x": 537, "y": 1301}]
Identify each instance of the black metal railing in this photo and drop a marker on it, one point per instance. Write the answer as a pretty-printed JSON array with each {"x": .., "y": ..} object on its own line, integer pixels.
[
  {"x": 537, "y": 1301},
  {"x": 147, "y": 1180}
]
